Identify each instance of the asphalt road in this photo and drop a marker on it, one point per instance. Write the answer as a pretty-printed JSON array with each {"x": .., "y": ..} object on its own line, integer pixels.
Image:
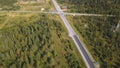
[{"x": 74, "y": 36}]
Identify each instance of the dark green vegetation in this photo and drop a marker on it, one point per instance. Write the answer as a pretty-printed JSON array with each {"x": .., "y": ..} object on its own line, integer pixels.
[
  {"x": 8, "y": 5},
  {"x": 98, "y": 35},
  {"x": 98, "y": 32},
  {"x": 40, "y": 44},
  {"x": 93, "y": 6},
  {"x": 7, "y": 2}
]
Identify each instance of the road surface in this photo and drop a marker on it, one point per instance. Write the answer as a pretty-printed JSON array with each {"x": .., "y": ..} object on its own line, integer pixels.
[
  {"x": 74, "y": 14},
  {"x": 89, "y": 63},
  {"x": 87, "y": 14}
]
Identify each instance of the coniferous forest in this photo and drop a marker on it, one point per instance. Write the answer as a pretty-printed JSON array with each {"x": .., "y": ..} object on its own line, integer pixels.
[
  {"x": 97, "y": 32},
  {"x": 101, "y": 40},
  {"x": 93, "y": 6},
  {"x": 40, "y": 43}
]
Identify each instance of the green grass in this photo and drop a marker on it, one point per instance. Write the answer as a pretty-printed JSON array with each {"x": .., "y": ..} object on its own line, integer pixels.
[
  {"x": 40, "y": 41},
  {"x": 12, "y": 19},
  {"x": 7, "y": 2},
  {"x": 30, "y": 5},
  {"x": 8, "y": 5}
]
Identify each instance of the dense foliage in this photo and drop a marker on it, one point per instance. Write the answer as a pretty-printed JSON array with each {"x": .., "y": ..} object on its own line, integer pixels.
[
  {"x": 98, "y": 32},
  {"x": 7, "y": 2},
  {"x": 37, "y": 45},
  {"x": 99, "y": 36},
  {"x": 93, "y": 6}
]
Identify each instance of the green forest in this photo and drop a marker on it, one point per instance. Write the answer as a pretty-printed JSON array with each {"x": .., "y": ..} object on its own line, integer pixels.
[
  {"x": 97, "y": 32},
  {"x": 99, "y": 36},
  {"x": 43, "y": 43},
  {"x": 92, "y": 6}
]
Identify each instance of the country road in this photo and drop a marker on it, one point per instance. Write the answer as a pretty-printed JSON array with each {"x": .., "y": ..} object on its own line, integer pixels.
[
  {"x": 66, "y": 13},
  {"x": 87, "y": 59},
  {"x": 88, "y": 14}
]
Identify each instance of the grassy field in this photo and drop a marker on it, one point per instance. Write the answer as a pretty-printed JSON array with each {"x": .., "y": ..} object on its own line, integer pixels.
[
  {"x": 8, "y": 5},
  {"x": 35, "y": 5},
  {"x": 30, "y": 5},
  {"x": 100, "y": 39},
  {"x": 29, "y": 41},
  {"x": 12, "y": 19}
]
